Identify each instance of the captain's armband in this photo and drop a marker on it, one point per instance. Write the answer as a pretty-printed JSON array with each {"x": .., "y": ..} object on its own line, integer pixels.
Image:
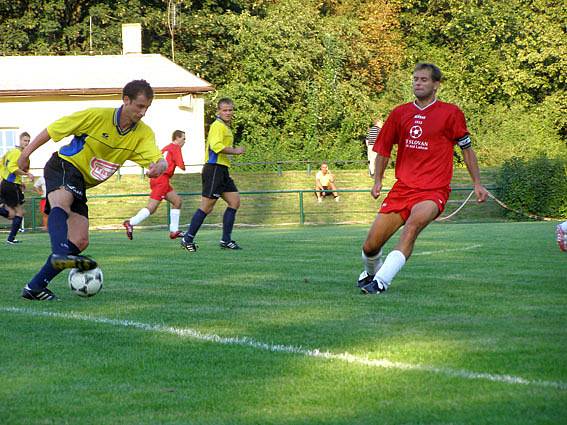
[{"x": 464, "y": 142}]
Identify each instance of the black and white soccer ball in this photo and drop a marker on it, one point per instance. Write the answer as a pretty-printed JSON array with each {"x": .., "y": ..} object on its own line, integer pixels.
[{"x": 85, "y": 284}]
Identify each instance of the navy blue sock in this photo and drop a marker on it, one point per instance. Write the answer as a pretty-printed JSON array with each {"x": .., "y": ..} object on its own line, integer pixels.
[
  {"x": 43, "y": 276},
  {"x": 195, "y": 225},
  {"x": 57, "y": 227},
  {"x": 47, "y": 273},
  {"x": 4, "y": 212},
  {"x": 73, "y": 249},
  {"x": 16, "y": 224},
  {"x": 228, "y": 223}
]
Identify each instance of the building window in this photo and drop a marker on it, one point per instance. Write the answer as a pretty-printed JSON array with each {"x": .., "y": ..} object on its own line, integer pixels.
[{"x": 7, "y": 140}]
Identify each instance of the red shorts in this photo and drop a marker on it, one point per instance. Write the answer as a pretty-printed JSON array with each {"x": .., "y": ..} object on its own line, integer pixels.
[
  {"x": 401, "y": 199},
  {"x": 160, "y": 188},
  {"x": 42, "y": 205}
]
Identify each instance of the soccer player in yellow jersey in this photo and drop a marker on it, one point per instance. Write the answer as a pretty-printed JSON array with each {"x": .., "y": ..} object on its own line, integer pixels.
[
  {"x": 215, "y": 178},
  {"x": 103, "y": 139},
  {"x": 11, "y": 188}
]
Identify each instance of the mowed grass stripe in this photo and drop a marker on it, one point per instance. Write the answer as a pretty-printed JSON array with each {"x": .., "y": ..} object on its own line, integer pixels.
[{"x": 290, "y": 349}]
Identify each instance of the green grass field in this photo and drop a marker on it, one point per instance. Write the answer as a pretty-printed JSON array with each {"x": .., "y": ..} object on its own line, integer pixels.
[{"x": 472, "y": 331}]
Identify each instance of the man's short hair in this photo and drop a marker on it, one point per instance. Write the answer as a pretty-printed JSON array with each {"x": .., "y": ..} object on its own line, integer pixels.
[
  {"x": 177, "y": 134},
  {"x": 24, "y": 134},
  {"x": 436, "y": 74},
  {"x": 136, "y": 87},
  {"x": 224, "y": 101}
]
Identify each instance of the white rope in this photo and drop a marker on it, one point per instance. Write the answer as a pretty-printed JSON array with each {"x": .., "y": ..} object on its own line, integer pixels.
[
  {"x": 501, "y": 204},
  {"x": 457, "y": 210},
  {"x": 534, "y": 216}
]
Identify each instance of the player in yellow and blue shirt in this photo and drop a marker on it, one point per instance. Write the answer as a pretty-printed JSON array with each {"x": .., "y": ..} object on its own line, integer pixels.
[
  {"x": 103, "y": 139},
  {"x": 99, "y": 146},
  {"x": 216, "y": 180},
  {"x": 219, "y": 137},
  {"x": 11, "y": 188}
]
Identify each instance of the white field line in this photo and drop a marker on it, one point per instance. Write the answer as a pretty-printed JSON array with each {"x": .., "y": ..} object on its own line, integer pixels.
[
  {"x": 441, "y": 251},
  {"x": 291, "y": 349}
]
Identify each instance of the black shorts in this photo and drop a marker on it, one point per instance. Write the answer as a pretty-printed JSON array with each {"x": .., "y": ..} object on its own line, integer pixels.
[
  {"x": 58, "y": 174},
  {"x": 216, "y": 181},
  {"x": 11, "y": 194}
]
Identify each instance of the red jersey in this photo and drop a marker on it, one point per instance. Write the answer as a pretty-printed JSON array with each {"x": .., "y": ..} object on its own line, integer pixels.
[
  {"x": 426, "y": 139},
  {"x": 174, "y": 157}
]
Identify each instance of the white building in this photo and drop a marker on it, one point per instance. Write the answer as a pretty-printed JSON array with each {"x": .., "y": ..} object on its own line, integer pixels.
[{"x": 37, "y": 90}]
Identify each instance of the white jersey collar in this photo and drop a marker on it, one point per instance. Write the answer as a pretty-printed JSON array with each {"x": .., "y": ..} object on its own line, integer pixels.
[{"x": 425, "y": 107}]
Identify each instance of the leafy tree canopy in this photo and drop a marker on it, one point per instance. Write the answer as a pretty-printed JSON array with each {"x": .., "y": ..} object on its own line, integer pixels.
[{"x": 308, "y": 76}]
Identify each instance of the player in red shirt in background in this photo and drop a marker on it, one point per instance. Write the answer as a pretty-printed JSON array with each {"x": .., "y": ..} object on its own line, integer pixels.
[
  {"x": 426, "y": 131},
  {"x": 161, "y": 189}
]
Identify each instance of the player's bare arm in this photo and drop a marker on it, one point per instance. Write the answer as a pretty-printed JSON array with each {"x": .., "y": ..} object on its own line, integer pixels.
[
  {"x": 472, "y": 166},
  {"x": 156, "y": 169},
  {"x": 20, "y": 172},
  {"x": 381, "y": 164},
  {"x": 239, "y": 150},
  {"x": 39, "y": 140}
]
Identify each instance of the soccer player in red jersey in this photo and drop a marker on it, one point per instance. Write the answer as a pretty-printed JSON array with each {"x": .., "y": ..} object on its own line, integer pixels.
[
  {"x": 426, "y": 131},
  {"x": 162, "y": 189}
]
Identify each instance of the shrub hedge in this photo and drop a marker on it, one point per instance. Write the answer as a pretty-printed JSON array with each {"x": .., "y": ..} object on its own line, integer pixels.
[{"x": 536, "y": 186}]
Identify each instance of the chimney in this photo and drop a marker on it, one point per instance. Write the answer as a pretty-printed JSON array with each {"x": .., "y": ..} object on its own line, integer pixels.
[{"x": 131, "y": 39}]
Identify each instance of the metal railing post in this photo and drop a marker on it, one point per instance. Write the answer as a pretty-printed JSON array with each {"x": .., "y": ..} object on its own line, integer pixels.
[
  {"x": 33, "y": 211},
  {"x": 301, "y": 211}
]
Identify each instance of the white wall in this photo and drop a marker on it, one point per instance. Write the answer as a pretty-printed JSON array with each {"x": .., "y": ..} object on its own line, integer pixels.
[{"x": 166, "y": 114}]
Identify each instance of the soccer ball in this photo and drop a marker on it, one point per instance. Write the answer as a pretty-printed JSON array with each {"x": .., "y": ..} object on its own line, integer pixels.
[{"x": 85, "y": 284}]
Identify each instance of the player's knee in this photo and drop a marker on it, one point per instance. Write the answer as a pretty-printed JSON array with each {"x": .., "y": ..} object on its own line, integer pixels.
[
  {"x": 370, "y": 248},
  {"x": 206, "y": 208},
  {"x": 82, "y": 243},
  {"x": 411, "y": 230}
]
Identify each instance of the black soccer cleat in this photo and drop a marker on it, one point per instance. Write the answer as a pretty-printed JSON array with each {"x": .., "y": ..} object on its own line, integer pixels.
[
  {"x": 81, "y": 262},
  {"x": 189, "y": 246},
  {"x": 129, "y": 229},
  {"x": 364, "y": 279},
  {"x": 13, "y": 242},
  {"x": 229, "y": 245},
  {"x": 43, "y": 295},
  {"x": 374, "y": 287}
]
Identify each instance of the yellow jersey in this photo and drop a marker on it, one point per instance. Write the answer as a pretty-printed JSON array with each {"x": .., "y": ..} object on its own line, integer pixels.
[
  {"x": 220, "y": 137},
  {"x": 99, "y": 146},
  {"x": 10, "y": 165},
  {"x": 324, "y": 179}
]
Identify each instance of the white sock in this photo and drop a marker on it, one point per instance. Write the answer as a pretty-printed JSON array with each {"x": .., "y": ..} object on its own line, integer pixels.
[
  {"x": 392, "y": 265},
  {"x": 174, "y": 220},
  {"x": 372, "y": 264},
  {"x": 141, "y": 216}
]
